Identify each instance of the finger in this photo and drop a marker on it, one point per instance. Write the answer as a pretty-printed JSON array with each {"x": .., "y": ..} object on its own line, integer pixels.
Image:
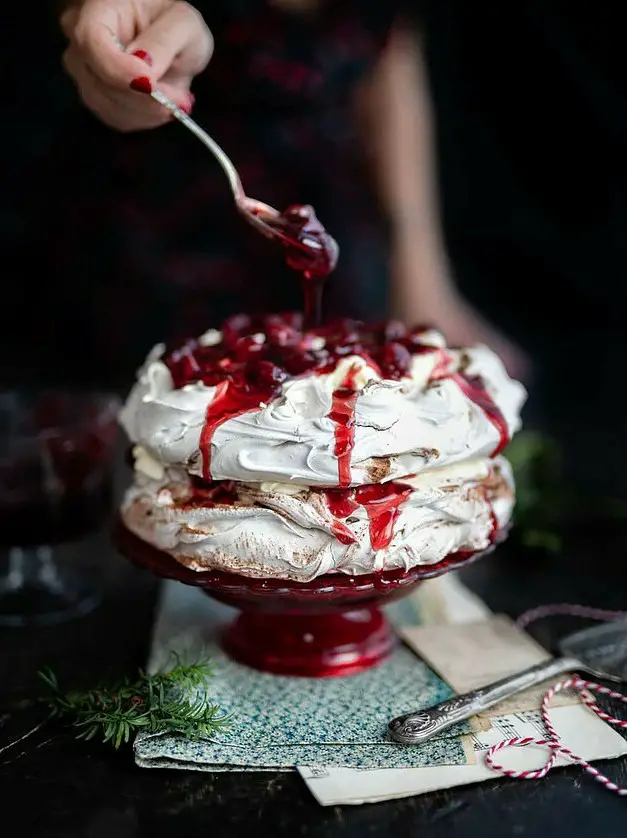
[
  {"x": 98, "y": 33},
  {"x": 178, "y": 90},
  {"x": 123, "y": 111},
  {"x": 118, "y": 118},
  {"x": 145, "y": 111},
  {"x": 68, "y": 21},
  {"x": 178, "y": 44}
]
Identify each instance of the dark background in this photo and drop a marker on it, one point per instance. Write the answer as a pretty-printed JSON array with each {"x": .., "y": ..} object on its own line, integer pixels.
[
  {"x": 531, "y": 118},
  {"x": 531, "y": 109}
]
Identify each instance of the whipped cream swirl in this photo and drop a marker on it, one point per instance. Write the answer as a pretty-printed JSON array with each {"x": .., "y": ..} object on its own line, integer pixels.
[{"x": 401, "y": 427}]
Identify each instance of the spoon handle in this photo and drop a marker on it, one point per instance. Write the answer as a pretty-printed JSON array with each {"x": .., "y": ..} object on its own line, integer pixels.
[
  {"x": 415, "y": 728},
  {"x": 209, "y": 142},
  {"x": 251, "y": 209}
]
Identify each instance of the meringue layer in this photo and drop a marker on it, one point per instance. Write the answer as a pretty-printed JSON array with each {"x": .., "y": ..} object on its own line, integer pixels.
[
  {"x": 401, "y": 428},
  {"x": 289, "y": 532}
]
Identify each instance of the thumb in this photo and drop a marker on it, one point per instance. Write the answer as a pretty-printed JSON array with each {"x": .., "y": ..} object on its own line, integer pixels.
[
  {"x": 97, "y": 32},
  {"x": 176, "y": 46}
]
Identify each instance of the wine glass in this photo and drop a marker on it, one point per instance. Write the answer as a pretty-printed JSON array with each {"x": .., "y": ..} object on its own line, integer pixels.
[{"x": 56, "y": 475}]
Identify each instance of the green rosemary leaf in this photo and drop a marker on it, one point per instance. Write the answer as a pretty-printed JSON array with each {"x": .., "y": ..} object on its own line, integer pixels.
[
  {"x": 49, "y": 678},
  {"x": 119, "y": 735},
  {"x": 163, "y": 702},
  {"x": 91, "y": 731}
]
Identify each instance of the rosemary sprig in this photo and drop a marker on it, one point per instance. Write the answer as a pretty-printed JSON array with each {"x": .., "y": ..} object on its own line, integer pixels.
[
  {"x": 166, "y": 702},
  {"x": 545, "y": 503},
  {"x": 541, "y": 500}
]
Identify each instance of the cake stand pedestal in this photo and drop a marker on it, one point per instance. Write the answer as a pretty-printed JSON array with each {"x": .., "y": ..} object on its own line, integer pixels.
[{"x": 332, "y": 625}]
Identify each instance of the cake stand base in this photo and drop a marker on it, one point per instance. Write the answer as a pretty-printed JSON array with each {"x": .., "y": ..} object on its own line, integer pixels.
[{"x": 314, "y": 645}]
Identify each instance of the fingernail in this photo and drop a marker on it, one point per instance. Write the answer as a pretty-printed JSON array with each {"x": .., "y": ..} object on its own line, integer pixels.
[
  {"x": 142, "y": 84},
  {"x": 187, "y": 108},
  {"x": 145, "y": 56}
]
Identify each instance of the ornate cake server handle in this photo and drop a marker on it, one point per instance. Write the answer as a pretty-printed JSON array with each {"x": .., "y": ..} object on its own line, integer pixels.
[{"x": 415, "y": 728}]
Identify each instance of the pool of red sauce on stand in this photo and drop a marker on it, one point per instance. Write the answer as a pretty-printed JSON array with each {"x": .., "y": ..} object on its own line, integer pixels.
[{"x": 248, "y": 371}]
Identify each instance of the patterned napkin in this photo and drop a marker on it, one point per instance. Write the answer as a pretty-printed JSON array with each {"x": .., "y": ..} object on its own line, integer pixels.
[{"x": 279, "y": 722}]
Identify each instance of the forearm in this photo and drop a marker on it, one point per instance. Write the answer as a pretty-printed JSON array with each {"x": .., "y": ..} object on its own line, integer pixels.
[{"x": 397, "y": 119}]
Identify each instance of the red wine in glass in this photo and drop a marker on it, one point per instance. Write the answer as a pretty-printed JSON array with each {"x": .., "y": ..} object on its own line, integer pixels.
[{"x": 56, "y": 465}]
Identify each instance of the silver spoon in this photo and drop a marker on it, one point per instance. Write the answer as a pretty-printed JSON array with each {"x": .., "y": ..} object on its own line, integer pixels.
[
  {"x": 251, "y": 209},
  {"x": 600, "y": 651}
]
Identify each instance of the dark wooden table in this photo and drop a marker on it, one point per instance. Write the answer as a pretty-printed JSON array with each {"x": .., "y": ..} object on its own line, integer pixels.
[{"x": 51, "y": 785}]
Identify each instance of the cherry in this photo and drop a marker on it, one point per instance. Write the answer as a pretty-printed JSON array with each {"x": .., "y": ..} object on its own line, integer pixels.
[
  {"x": 265, "y": 375},
  {"x": 388, "y": 345},
  {"x": 395, "y": 360},
  {"x": 280, "y": 334},
  {"x": 293, "y": 319},
  {"x": 298, "y": 361},
  {"x": 393, "y": 330},
  {"x": 247, "y": 347},
  {"x": 349, "y": 348},
  {"x": 239, "y": 323},
  {"x": 214, "y": 375},
  {"x": 207, "y": 355}
]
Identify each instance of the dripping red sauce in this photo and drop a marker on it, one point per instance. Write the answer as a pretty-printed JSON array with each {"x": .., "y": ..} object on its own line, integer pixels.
[
  {"x": 382, "y": 502},
  {"x": 203, "y": 494},
  {"x": 230, "y": 400},
  {"x": 494, "y": 521},
  {"x": 343, "y": 415},
  {"x": 474, "y": 388},
  {"x": 310, "y": 250},
  {"x": 257, "y": 354},
  {"x": 341, "y": 502}
]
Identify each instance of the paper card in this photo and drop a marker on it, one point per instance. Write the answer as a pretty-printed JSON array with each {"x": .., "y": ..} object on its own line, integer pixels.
[
  {"x": 578, "y": 728},
  {"x": 475, "y": 654}
]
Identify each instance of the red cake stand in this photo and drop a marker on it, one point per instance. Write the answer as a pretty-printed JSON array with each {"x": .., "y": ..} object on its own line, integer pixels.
[{"x": 332, "y": 625}]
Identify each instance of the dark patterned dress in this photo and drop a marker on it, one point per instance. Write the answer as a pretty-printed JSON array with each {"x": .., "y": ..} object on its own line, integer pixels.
[{"x": 141, "y": 239}]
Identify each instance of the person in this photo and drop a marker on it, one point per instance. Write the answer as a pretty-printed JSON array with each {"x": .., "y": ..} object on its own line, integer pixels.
[{"x": 315, "y": 102}]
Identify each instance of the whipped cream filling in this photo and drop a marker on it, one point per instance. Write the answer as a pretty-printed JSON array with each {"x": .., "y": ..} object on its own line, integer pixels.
[
  {"x": 400, "y": 427},
  {"x": 283, "y": 531}
]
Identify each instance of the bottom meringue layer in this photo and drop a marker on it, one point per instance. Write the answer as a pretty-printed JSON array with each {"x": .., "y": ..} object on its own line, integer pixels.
[{"x": 290, "y": 532}]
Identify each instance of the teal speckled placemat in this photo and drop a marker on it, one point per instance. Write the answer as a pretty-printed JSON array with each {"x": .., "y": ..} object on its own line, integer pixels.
[{"x": 280, "y": 722}]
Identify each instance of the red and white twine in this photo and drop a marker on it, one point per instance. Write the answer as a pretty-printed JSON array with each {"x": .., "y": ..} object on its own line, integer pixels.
[
  {"x": 566, "y": 609},
  {"x": 582, "y": 687}
]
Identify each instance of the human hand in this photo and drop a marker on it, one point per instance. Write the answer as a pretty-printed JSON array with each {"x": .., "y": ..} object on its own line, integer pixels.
[
  {"x": 425, "y": 293},
  {"x": 463, "y": 325},
  {"x": 166, "y": 43}
]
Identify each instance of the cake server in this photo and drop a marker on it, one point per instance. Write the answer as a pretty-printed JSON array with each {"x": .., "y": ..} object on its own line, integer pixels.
[{"x": 600, "y": 651}]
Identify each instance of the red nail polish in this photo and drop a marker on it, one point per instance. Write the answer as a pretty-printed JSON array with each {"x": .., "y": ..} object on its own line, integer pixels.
[
  {"x": 145, "y": 56},
  {"x": 189, "y": 105},
  {"x": 142, "y": 84}
]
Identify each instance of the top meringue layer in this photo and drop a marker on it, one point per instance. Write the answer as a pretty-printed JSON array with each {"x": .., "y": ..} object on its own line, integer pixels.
[{"x": 421, "y": 419}]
